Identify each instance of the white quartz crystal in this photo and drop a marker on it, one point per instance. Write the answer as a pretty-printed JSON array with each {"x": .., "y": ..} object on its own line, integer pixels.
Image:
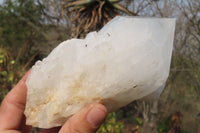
[{"x": 127, "y": 59}]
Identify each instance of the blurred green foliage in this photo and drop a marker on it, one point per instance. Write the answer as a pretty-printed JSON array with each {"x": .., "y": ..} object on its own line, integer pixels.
[
  {"x": 165, "y": 125},
  {"x": 21, "y": 25},
  {"x": 111, "y": 125},
  {"x": 21, "y": 28},
  {"x": 6, "y": 72}
]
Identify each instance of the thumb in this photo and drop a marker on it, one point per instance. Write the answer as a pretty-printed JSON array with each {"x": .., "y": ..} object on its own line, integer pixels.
[{"x": 87, "y": 120}]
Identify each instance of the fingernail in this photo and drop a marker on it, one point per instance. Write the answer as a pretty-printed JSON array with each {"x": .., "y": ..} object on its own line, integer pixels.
[{"x": 96, "y": 116}]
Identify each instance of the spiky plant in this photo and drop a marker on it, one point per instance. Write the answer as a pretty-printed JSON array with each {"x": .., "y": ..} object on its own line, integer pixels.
[{"x": 90, "y": 15}]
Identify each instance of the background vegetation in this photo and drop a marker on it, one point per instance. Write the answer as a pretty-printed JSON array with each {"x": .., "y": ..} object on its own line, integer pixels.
[{"x": 30, "y": 29}]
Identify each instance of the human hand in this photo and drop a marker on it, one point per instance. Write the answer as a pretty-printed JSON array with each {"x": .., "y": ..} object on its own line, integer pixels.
[{"x": 12, "y": 119}]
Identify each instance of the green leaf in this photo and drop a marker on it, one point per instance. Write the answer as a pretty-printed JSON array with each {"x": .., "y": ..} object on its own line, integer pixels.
[
  {"x": 139, "y": 121},
  {"x": 114, "y": 1},
  {"x": 1, "y": 61},
  {"x": 4, "y": 73},
  {"x": 1, "y": 56},
  {"x": 79, "y": 3},
  {"x": 11, "y": 76},
  {"x": 123, "y": 9},
  {"x": 12, "y": 62}
]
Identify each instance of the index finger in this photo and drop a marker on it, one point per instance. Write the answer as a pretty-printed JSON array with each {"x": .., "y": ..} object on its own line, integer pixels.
[{"x": 12, "y": 107}]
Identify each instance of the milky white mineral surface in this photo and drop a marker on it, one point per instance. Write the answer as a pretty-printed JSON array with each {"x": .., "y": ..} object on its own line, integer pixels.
[{"x": 127, "y": 59}]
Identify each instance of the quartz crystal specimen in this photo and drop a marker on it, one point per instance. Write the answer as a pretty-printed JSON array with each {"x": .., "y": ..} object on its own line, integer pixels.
[{"x": 127, "y": 59}]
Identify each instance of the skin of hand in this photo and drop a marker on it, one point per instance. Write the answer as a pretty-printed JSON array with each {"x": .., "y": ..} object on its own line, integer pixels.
[{"x": 12, "y": 119}]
